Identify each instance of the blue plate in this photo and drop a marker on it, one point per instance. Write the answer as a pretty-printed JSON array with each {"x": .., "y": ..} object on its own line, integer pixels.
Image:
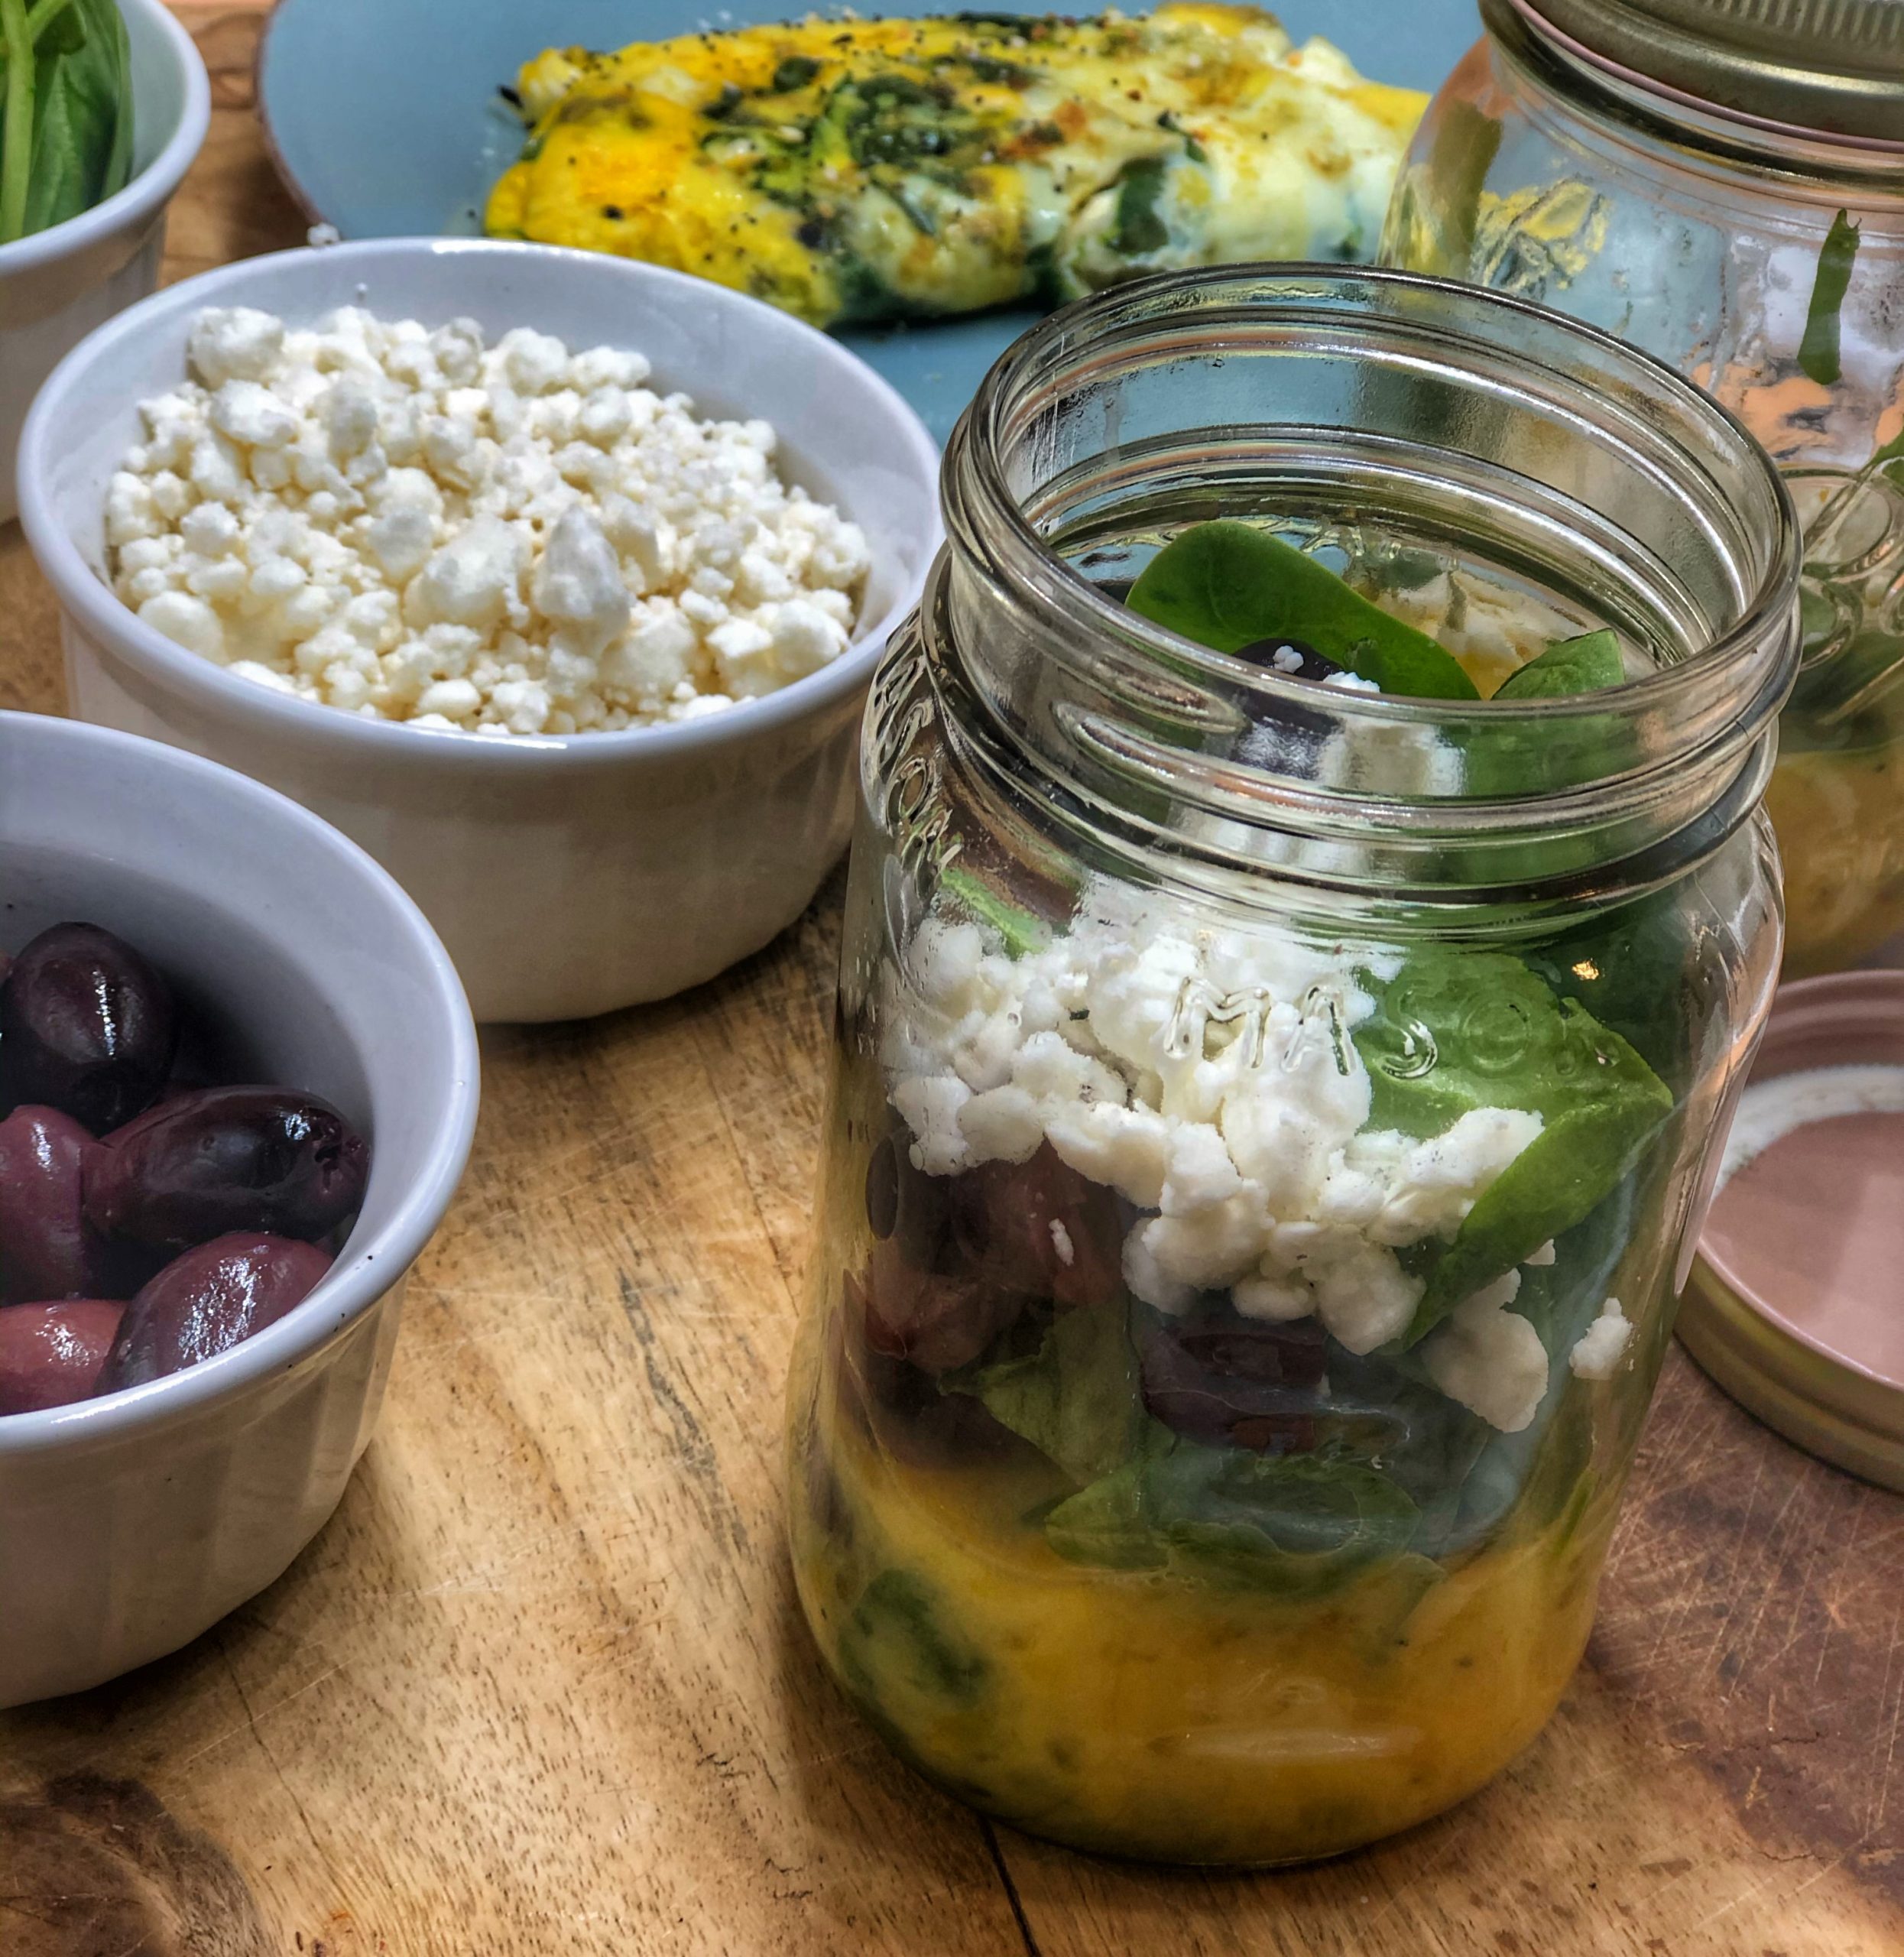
[{"x": 387, "y": 123}]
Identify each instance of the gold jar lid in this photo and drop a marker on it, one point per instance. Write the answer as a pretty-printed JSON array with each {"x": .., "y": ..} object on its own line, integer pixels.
[
  {"x": 1795, "y": 1303},
  {"x": 1833, "y": 68}
]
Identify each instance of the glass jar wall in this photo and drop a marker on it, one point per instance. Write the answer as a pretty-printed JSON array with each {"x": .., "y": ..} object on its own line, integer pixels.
[
  {"x": 1768, "y": 263},
  {"x": 1268, "y": 1116}
]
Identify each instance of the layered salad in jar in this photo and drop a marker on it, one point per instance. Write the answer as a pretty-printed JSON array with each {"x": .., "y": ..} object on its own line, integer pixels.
[{"x": 1216, "y": 1416}]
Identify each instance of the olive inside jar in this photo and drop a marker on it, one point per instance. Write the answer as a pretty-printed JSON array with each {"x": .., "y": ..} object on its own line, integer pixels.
[
  {"x": 1724, "y": 188},
  {"x": 1269, "y": 1114}
]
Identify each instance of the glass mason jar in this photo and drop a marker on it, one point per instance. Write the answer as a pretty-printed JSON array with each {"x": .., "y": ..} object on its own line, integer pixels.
[
  {"x": 1268, "y": 1118},
  {"x": 1689, "y": 180}
]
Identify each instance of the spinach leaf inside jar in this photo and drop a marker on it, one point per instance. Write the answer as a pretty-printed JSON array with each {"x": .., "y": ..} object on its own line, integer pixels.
[{"x": 1235, "y": 588}]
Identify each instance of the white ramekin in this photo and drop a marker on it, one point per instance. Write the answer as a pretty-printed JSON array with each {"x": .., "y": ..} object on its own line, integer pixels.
[
  {"x": 568, "y": 876},
  {"x": 129, "y": 1524},
  {"x": 57, "y": 286}
]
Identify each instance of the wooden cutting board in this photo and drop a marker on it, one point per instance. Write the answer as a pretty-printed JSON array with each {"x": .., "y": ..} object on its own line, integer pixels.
[{"x": 540, "y": 1687}]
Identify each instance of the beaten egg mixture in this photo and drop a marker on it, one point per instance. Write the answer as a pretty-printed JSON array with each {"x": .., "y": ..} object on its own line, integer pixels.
[
  {"x": 863, "y": 170},
  {"x": 1142, "y": 1713}
]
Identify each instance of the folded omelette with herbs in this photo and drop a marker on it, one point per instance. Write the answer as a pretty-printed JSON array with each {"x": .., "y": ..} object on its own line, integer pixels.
[{"x": 850, "y": 169}]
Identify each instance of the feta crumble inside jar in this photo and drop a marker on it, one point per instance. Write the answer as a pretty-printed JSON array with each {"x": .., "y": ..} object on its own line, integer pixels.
[
  {"x": 410, "y": 525},
  {"x": 1266, "y": 1111}
]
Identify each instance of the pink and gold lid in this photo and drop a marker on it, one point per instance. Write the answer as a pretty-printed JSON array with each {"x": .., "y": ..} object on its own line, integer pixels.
[{"x": 1795, "y": 1304}]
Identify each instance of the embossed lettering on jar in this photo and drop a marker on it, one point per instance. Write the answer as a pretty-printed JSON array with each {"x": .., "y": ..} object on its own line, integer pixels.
[
  {"x": 1725, "y": 187},
  {"x": 1269, "y": 1116}
]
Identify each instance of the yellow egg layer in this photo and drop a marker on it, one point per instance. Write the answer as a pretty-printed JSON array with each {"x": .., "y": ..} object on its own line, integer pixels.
[{"x": 1156, "y": 1716}]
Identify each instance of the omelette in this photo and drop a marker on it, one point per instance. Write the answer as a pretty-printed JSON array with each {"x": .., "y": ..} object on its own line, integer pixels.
[{"x": 862, "y": 170}]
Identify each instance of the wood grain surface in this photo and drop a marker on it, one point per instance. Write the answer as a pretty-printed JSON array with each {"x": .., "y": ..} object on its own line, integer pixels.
[{"x": 540, "y": 1687}]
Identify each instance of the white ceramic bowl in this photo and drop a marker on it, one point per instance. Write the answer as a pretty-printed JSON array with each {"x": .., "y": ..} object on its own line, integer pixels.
[
  {"x": 129, "y": 1524},
  {"x": 57, "y": 286},
  {"x": 567, "y": 875}
]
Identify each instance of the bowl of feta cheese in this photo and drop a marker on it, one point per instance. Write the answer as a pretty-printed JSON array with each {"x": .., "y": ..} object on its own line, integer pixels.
[{"x": 556, "y": 581}]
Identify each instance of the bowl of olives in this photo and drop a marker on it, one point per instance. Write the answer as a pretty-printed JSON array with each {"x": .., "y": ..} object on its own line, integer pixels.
[{"x": 238, "y": 1086}]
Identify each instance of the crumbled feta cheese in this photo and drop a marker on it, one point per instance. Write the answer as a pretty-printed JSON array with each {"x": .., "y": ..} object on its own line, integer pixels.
[
  {"x": 1061, "y": 1242},
  {"x": 1278, "y": 1301},
  {"x": 555, "y": 548},
  {"x": 931, "y": 1109},
  {"x": 1601, "y": 1348},
  {"x": 1490, "y": 1358},
  {"x": 1367, "y": 1298},
  {"x": 1435, "y": 1183}
]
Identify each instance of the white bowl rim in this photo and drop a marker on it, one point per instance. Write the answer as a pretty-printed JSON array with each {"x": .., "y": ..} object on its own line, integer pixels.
[
  {"x": 155, "y": 185},
  {"x": 368, "y": 1268},
  {"x": 311, "y": 723}
]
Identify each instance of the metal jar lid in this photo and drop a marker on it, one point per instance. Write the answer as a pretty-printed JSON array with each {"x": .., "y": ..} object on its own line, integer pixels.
[
  {"x": 1795, "y": 1303},
  {"x": 1833, "y": 68}
]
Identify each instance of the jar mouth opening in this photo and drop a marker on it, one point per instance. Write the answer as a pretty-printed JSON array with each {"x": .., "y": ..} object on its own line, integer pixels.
[
  {"x": 1536, "y": 424},
  {"x": 1088, "y": 332}
]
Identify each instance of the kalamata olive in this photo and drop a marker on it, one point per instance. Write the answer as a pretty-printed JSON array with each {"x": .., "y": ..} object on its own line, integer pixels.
[
  {"x": 51, "y": 1355},
  {"x": 935, "y": 1320},
  {"x": 86, "y": 1026},
  {"x": 1038, "y": 1227},
  {"x": 209, "y": 1301},
  {"x": 1237, "y": 1380},
  {"x": 901, "y": 1406},
  {"x": 224, "y": 1159},
  {"x": 42, "y": 1232},
  {"x": 1225, "y": 1380}
]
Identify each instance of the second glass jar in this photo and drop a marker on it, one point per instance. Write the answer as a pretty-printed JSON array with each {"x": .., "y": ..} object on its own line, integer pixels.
[
  {"x": 1755, "y": 241},
  {"x": 1268, "y": 1118}
]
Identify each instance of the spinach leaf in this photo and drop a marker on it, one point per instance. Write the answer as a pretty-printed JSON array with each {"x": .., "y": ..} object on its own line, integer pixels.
[
  {"x": 16, "y": 120},
  {"x": 1819, "y": 350},
  {"x": 1515, "y": 760},
  {"x": 794, "y": 74},
  {"x": 1226, "y": 585},
  {"x": 1838, "y": 685},
  {"x": 67, "y": 143},
  {"x": 1140, "y": 227},
  {"x": 1465, "y": 146},
  {"x": 1107, "y": 1523},
  {"x": 1076, "y": 1399},
  {"x": 1586, "y": 664},
  {"x": 1020, "y": 931},
  {"x": 1636, "y": 970},
  {"x": 1296, "y": 1525},
  {"x": 897, "y": 1635},
  {"x": 82, "y": 147},
  {"x": 1458, "y": 1030}
]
